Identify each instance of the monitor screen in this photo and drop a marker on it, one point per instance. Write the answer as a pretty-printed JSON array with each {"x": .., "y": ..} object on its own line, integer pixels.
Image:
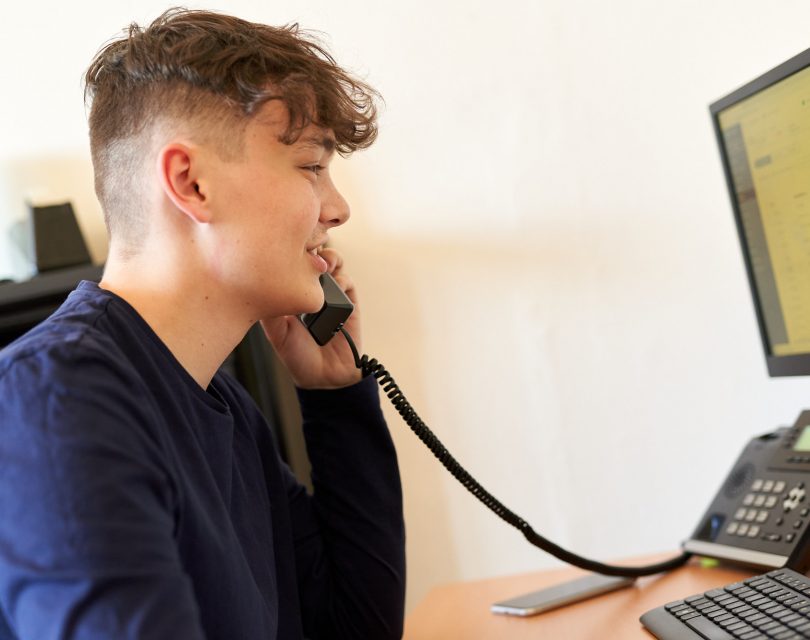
[{"x": 763, "y": 130}]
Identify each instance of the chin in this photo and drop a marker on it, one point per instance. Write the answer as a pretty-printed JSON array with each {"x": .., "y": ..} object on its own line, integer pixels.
[{"x": 313, "y": 301}]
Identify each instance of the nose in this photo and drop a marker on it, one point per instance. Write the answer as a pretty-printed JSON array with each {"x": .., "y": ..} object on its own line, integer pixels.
[{"x": 334, "y": 208}]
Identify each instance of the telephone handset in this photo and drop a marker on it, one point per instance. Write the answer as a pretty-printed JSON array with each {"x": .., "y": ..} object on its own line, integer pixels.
[
  {"x": 761, "y": 514},
  {"x": 335, "y": 311},
  {"x": 329, "y": 320}
]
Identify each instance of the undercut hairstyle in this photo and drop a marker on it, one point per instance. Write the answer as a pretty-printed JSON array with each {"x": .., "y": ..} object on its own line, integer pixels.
[{"x": 210, "y": 74}]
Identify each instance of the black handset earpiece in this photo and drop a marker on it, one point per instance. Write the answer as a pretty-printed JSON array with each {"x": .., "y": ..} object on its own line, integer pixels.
[{"x": 336, "y": 309}]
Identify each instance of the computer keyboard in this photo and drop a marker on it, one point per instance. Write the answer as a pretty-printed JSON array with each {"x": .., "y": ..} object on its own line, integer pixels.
[{"x": 775, "y": 605}]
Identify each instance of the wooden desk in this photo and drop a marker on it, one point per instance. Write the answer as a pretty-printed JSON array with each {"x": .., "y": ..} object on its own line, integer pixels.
[{"x": 461, "y": 610}]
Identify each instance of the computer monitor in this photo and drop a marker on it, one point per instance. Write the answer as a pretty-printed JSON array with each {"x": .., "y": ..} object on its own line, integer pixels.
[{"x": 763, "y": 130}]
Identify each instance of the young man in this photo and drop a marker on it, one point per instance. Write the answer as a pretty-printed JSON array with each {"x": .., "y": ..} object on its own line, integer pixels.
[{"x": 141, "y": 495}]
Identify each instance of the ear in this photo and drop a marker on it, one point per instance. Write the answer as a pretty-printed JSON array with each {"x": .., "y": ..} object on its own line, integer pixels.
[{"x": 178, "y": 171}]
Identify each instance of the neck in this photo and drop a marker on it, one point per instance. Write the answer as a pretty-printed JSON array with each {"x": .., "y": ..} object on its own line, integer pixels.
[{"x": 198, "y": 323}]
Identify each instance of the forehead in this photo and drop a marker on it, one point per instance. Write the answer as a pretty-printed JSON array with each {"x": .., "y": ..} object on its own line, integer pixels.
[{"x": 272, "y": 121}]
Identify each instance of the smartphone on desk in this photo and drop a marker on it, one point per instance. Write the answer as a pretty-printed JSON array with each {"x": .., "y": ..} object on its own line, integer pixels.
[{"x": 560, "y": 595}]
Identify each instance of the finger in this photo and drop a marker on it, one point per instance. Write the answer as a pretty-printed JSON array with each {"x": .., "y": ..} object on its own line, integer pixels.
[{"x": 334, "y": 260}]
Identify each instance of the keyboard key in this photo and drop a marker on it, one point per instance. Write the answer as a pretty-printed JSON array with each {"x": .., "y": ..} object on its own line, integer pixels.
[
  {"x": 753, "y": 582},
  {"x": 708, "y": 629},
  {"x": 771, "y": 624},
  {"x": 731, "y": 621},
  {"x": 791, "y": 618}
]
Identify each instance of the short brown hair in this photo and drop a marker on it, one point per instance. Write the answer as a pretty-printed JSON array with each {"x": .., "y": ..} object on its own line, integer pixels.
[{"x": 213, "y": 72}]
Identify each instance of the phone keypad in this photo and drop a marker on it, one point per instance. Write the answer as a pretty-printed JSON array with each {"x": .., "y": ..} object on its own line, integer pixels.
[{"x": 764, "y": 499}]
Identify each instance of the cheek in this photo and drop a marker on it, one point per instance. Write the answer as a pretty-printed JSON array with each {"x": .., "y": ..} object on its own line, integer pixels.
[{"x": 301, "y": 217}]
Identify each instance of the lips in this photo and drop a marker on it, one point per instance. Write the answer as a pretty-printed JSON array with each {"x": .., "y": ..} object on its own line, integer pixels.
[{"x": 317, "y": 260}]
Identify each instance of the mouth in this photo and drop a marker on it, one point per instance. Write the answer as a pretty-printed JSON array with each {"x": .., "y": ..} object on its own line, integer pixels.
[
  {"x": 320, "y": 264},
  {"x": 316, "y": 247}
]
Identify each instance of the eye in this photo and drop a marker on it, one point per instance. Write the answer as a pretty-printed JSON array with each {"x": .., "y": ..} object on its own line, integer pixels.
[{"x": 314, "y": 168}]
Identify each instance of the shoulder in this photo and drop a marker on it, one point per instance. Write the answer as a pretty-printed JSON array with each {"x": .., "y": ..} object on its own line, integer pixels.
[
  {"x": 85, "y": 329},
  {"x": 66, "y": 369},
  {"x": 60, "y": 350}
]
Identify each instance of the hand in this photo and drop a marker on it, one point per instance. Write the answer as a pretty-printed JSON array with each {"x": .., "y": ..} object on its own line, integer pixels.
[{"x": 312, "y": 366}]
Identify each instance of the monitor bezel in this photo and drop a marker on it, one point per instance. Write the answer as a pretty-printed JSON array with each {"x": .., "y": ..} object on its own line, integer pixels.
[{"x": 785, "y": 365}]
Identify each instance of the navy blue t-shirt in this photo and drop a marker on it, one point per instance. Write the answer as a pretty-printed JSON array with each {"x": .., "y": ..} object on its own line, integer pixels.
[{"x": 135, "y": 504}]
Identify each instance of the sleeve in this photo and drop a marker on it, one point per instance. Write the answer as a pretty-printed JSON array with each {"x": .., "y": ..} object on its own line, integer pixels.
[
  {"x": 86, "y": 508},
  {"x": 350, "y": 534}
]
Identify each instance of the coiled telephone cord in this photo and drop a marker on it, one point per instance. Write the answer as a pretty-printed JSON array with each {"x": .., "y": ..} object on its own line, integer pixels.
[{"x": 370, "y": 366}]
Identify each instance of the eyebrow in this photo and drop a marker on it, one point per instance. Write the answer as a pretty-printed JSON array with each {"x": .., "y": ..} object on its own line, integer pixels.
[{"x": 318, "y": 140}]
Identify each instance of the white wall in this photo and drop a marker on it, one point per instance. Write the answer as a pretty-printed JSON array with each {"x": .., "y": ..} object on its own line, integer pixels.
[{"x": 542, "y": 236}]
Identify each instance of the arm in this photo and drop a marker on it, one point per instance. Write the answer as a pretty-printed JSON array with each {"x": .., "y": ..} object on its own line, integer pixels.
[
  {"x": 349, "y": 537},
  {"x": 350, "y": 540},
  {"x": 86, "y": 508}
]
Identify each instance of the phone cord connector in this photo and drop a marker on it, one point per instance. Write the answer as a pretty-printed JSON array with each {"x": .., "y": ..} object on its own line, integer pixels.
[{"x": 370, "y": 366}]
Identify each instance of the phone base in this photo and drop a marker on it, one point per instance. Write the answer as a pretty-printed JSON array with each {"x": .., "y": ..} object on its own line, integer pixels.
[{"x": 749, "y": 557}]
